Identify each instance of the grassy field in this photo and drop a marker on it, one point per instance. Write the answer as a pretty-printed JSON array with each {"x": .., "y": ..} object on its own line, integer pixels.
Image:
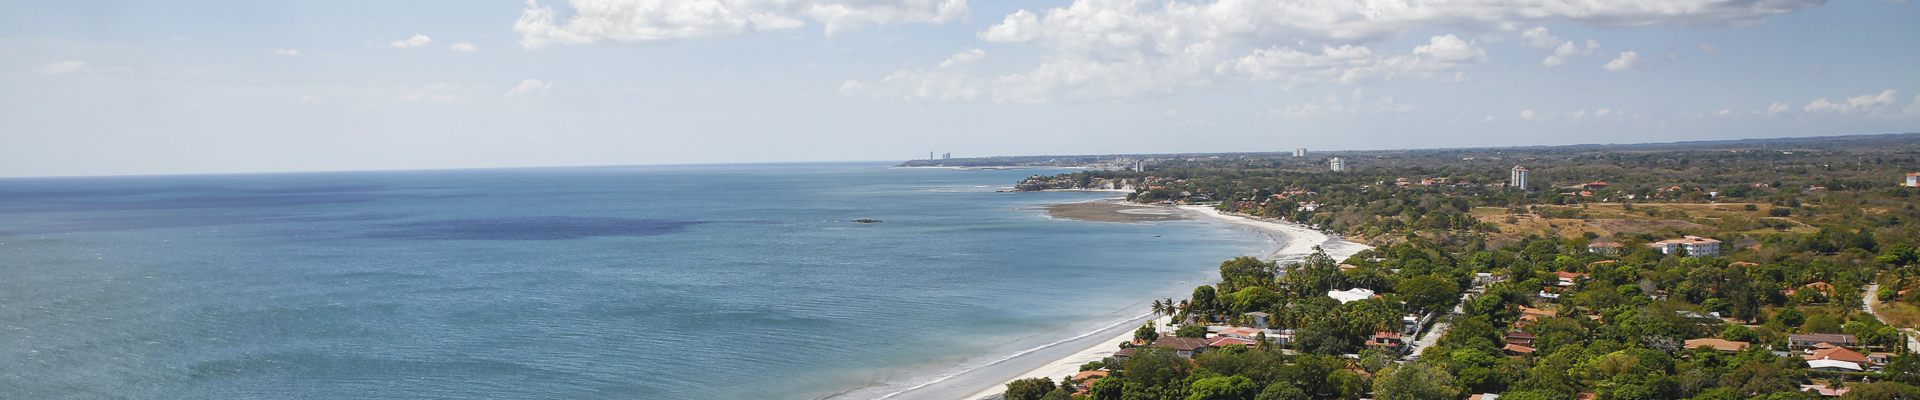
[{"x": 1610, "y": 220}]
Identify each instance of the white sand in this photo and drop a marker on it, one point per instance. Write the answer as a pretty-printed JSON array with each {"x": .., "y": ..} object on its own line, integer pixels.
[{"x": 1299, "y": 242}]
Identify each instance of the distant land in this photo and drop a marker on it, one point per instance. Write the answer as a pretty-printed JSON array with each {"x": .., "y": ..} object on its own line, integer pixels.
[{"x": 1848, "y": 144}]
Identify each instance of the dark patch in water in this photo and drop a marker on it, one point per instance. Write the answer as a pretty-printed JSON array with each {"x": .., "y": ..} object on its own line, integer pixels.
[{"x": 533, "y": 228}]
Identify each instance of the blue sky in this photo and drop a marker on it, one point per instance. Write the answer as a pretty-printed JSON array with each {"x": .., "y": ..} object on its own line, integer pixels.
[{"x": 107, "y": 88}]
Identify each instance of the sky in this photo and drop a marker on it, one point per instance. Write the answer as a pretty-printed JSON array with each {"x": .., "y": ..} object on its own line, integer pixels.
[{"x": 126, "y": 87}]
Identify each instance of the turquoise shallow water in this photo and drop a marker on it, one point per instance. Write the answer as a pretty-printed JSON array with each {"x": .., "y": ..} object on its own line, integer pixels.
[{"x": 661, "y": 282}]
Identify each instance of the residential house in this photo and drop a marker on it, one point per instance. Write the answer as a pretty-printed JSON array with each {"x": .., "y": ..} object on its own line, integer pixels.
[
  {"x": 1604, "y": 247},
  {"x": 1517, "y": 349},
  {"x": 1386, "y": 340},
  {"x": 1520, "y": 338},
  {"x": 1834, "y": 366},
  {"x": 1837, "y": 353},
  {"x": 1570, "y": 278},
  {"x": 1803, "y": 340},
  {"x": 1350, "y": 295},
  {"x": 1240, "y": 333},
  {"x": 1224, "y": 341},
  {"x": 1695, "y": 246},
  {"x": 1086, "y": 380},
  {"x": 1260, "y": 319},
  {"x": 1183, "y": 347}
]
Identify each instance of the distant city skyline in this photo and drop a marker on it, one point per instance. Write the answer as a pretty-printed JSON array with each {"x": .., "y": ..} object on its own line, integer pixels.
[{"x": 116, "y": 88}]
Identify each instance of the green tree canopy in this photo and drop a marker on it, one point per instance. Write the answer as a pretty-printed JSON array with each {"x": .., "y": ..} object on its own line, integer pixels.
[
  {"x": 1223, "y": 388},
  {"x": 1028, "y": 389},
  {"x": 1429, "y": 293}
]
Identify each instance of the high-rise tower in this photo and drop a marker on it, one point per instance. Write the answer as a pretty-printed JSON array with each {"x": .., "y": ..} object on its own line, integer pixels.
[{"x": 1519, "y": 180}]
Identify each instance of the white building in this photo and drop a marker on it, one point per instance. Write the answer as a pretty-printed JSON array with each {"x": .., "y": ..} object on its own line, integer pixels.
[
  {"x": 1833, "y": 365},
  {"x": 1336, "y": 165},
  {"x": 1519, "y": 180},
  {"x": 1913, "y": 179},
  {"x": 1355, "y": 294},
  {"x": 1300, "y": 152},
  {"x": 1695, "y": 246}
]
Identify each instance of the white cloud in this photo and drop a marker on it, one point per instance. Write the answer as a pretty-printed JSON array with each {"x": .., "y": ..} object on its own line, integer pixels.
[
  {"x": 1870, "y": 104},
  {"x": 287, "y": 52},
  {"x": 1539, "y": 38},
  {"x": 662, "y": 21},
  {"x": 1776, "y": 108},
  {"x": 967, "y": 56},
  {"x": 952, "y": 80},
  {"x": 1356, "y": 105},
  {"x": 463, "y": 47},
  {"x": 534, "y": 87},
  {"x": 1628, "y": 61},
  {"x": 1104, "y": 49},
  {"x": 63, "y": 67},
  {"x": 1602, "y": 112},
  {"x": 1527, "y": 114},
  {"x": 1709, "y": 48},
  {"x": 1567, "y": 50},
  {"x": 416, "y": 41}
]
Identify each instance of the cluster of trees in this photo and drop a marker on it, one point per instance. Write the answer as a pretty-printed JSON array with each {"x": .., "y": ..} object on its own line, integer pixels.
[{"x": 1613, "y": 336}]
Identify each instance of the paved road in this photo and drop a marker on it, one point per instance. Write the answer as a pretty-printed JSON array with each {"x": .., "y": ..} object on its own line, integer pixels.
[
  {"x": 1439, "y": 329},
  {"x": 1872, "y": 299}
]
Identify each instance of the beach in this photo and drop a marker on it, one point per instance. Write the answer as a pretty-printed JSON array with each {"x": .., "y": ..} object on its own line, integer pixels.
[{"x": 1293, "y": 242}]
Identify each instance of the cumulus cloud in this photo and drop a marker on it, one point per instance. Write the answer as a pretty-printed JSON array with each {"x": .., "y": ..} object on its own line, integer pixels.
[
  {"x": 534, "y": 87},
  {"x": 1528, "y": 114},
  {"x": 1776, "y": 108},
  {"x": 1539, "y": 38},
  {"x": 1357, "y": 105},
  {"x": 63, "y": 67},
  {"x": 1628, "y": 61},
  {"x": 1869, "y": 104},
  {"x": 463, "y": 47},
  {"x": 1105, "y": 49},
  {"x": 663, "y": 21},
  {"x": 287, "y": 52},
  {"x": 1567, "y": 50},
  {"x": 416, "y": 41},
  {"x": 952, "y": 80},
  {"x": 1709, "y": 48}
]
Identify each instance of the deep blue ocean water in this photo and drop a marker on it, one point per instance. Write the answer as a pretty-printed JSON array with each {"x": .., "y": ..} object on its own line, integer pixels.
[{"x": 654, "y": 282}]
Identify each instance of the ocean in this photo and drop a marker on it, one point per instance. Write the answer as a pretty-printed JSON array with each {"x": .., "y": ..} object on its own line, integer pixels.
[{"x": 642, "y": 282}]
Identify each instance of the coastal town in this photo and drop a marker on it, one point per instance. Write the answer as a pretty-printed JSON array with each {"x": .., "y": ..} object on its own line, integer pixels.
[{"x": 1738, "y": 283}]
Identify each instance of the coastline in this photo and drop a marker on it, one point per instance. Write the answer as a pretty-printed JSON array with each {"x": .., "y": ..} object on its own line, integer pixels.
[{"x": 1294, "y": 242}]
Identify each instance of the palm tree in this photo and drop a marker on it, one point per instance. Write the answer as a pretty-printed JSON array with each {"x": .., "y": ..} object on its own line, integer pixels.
[{"x": 1158, "y": 308}]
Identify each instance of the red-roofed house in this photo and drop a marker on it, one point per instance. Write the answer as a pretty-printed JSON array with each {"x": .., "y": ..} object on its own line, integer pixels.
[
  {"x": 1838, "y": 354},
  {"x": 1224, "y": 341}
]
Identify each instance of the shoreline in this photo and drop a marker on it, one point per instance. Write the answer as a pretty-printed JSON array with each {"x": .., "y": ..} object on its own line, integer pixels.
[{"x": 1293, "y": 241}]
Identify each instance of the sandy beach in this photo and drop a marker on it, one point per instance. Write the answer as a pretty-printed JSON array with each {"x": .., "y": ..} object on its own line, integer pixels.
[{"x": 1293, "y": 243}]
